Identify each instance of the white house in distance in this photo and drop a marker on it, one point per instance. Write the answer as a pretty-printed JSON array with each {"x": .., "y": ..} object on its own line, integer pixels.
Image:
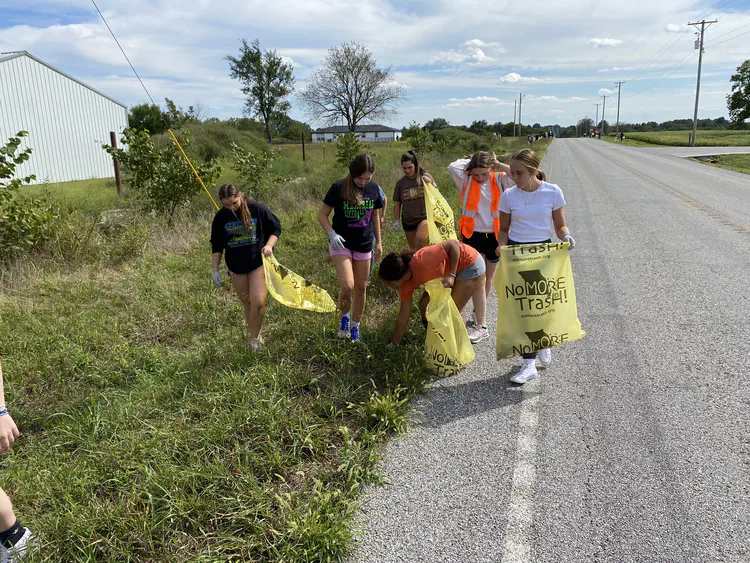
[
  {"x": 366, "y": 133},
  {"x": 67, "y": 120}
]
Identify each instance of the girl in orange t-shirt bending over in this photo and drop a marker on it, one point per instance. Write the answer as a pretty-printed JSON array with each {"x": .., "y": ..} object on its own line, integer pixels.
[{"x": 459, "y": 265}]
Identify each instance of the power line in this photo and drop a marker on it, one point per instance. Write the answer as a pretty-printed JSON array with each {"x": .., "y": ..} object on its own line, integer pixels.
[
  {"x": 123, "y": 52},
  {"x": 726, "y": 40},
  {"x": 690, "y": 57},
  {"x": 713, "y": 41}
]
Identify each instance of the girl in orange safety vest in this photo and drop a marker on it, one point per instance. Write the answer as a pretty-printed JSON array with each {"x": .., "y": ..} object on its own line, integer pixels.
[{"x": 481, "y": 180}]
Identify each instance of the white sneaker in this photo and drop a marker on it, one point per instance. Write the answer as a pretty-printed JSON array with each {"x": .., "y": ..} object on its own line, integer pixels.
[
  {"x": 255, "y": 344},
  {"x": 526, "y": 373},
  {"x": 478, "y": 334},
  {"x": 545, "y": 358},
  {"x": 17, "y": 553}
]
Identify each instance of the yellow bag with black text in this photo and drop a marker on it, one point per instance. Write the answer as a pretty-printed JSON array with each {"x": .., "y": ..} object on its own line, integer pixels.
[
  {"x": 536, "y": 299},
  {"x": 447, "y": 347},
  {"x": 292, "y": 290},
  {"x": 440, "y": 223}
]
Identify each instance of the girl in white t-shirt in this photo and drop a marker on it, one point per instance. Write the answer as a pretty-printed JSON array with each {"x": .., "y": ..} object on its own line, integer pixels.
[{"x": 529, "y": 212}]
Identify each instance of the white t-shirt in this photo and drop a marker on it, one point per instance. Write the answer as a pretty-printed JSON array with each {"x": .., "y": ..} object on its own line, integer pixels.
[
  {"x": 483, "y": 222},
  {"x": 531, "y": 212}
]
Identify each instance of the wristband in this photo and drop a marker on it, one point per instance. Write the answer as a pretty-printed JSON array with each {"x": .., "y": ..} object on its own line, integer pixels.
[
  {"x": 4, "y": 411},
  {"x": 450, "y": 274}
]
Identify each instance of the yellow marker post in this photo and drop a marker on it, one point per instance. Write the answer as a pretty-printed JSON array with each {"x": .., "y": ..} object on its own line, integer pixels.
[{"x": 179, "y": 146}]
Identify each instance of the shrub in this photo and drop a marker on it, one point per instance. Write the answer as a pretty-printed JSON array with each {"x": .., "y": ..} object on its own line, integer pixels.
[
  {"x": 160, "y": 177},
  {"x": 347, "y": 148},
  {"x": 254, "y": 168}
]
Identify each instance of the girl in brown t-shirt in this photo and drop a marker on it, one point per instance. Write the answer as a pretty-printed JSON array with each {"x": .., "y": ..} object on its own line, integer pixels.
[{"x": 408, "y": 197}]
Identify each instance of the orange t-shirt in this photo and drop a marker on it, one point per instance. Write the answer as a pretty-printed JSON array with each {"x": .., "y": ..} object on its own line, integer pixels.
[{"x": 432, "y": 262}]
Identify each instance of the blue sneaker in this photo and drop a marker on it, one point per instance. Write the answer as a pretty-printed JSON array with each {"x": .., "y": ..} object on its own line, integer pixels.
[
  {"x": 355, "y": 334},
  {"x": 344, "y": 330}
]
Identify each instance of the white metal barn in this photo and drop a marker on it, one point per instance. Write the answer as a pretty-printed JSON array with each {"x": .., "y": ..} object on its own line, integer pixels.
[{"x": 67, "y": 120}]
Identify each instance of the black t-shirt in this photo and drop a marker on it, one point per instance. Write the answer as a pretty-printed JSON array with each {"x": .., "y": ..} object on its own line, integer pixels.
[
  {"x": 242, "y": 247},
  {"x": 354, "y": 222}
]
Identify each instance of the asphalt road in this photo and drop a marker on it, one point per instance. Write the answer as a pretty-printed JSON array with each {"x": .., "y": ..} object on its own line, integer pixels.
[{"x": 634, "y": 446}]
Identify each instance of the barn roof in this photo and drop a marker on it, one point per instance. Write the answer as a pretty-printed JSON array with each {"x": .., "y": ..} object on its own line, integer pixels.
[{"x": 8, "y": 56}]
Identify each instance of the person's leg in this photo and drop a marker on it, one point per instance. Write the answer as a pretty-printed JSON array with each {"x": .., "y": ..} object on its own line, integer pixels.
[
  {"x": 343, "y": 265},
  {"x": 411, "y": 238},
  {"x": 241, "y": 283},
  {"x": 422, "y": 233},
  {"x": 14, "y": 538},
  {"x": 424, "y": 301},
  {"x": 359, "y": 270},
  {"x": 257, "y": 297},
  {"x": 372, "y": 260},
  {"x": 491, "y": 267},
  {"x": 463, "y": 290}
]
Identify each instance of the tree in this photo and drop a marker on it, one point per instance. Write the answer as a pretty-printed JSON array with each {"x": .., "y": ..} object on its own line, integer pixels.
[
  {"x": 351, "y": 86},
  {"x": 266, "y": 81},
  {"x": 411, "y": 131},
  {"x": 148, "y": 117},
  {"x": 479, "y": 127},
  {"x": 738, "y": 101},
  {"x": 435, "y": 124}
]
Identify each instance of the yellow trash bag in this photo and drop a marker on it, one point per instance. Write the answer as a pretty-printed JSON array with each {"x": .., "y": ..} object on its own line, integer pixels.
[
  {"x": 440, "y": 223},
  {"x": 447, "y": 347},
  {"x": 536, "y": 299},
  {"x": 292, "y": 290}
]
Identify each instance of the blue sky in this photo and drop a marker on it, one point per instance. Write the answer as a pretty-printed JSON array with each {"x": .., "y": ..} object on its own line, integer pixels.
[{"x": 462, "y": 60}]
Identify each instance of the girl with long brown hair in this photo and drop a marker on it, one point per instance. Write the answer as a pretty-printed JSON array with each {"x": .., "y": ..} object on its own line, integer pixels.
[
  {"x": 244, "y": 231},
  {"x": 409, "y": 210},
  {"x": 354, "y": 201}
]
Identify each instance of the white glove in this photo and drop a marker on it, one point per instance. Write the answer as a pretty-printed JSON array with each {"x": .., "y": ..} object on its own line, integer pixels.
[
  {"x": 390, "y": 347},
  {"x": 216, "y": 277},
  {"x": 337, "y": 241},
  {"x": 570, "y": 240},
  {"x": 396, "y": 225}
]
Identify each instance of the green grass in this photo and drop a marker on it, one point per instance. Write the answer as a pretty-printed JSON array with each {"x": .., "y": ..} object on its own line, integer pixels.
[
  {"x": 149, "y": 434},
  {"x": 720, "y": 138},
  {"x": 87, "y": 196},
  {"x": 736, "y": 162}
]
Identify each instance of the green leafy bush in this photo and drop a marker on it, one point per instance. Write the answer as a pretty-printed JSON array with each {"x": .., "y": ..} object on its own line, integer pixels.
[
  {"x": 160, "y": 177},
  {"x": 347, "y": 148},
  {"x": 254, "y": 168}
]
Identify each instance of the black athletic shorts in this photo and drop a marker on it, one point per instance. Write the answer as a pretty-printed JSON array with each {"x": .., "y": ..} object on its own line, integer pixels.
[
  {"x": 484, "y": 243},
  {"x": 409, "y": 228}
]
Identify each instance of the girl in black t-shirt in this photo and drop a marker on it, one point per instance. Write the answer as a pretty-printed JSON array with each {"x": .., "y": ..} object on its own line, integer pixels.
[
  {"x": 244, "y": 231},
  {"x": 354, "y": 201}
]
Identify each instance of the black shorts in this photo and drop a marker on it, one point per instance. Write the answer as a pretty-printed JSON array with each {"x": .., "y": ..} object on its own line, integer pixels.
[
  {"x": 409, "y": 228},
  {"x": 484, "y": 243}
]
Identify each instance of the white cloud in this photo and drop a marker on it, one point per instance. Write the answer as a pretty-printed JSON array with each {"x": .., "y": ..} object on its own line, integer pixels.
[
  {"x": 515, "y": 78},
  {"x": 479, "y": 101},
  {"x": 613, "y": 69},
  {"x": 546, "y": 98},
  {"x": 472, "y": 52},
  {"x": 556, "y": 112},
  {"x": 577, "y": 99},
  {"x": 674, "y": 27},
  {"x": 604, "y": 42},
  {"x": 605, "y": 92}
]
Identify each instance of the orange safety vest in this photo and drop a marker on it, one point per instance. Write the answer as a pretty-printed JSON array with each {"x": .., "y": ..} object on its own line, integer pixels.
[{"x": 471, "y": 196}]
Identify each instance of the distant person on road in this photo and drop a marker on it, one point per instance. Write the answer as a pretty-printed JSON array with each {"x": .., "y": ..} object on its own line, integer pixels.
[
  {"x": 528, "y": 213},
  {"x": 15, "y": 540},
  {"x": 244, "y": 231},
  {"x": 354, "y": 201},
  {"x": 409, "y": 210},
  {"x": 459, "y": 265},
  {"x": 481, "y": 180}
]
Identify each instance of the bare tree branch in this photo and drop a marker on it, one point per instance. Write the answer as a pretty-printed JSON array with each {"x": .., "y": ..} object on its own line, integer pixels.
[{"x": 349, "y": 85}]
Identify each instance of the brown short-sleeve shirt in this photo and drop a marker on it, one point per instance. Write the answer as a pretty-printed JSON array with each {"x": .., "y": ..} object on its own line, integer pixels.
[{"x": 411, "y": 197}]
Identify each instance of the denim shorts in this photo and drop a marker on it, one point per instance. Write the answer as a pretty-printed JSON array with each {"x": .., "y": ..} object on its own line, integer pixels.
[{"x": 474, "y": 270}]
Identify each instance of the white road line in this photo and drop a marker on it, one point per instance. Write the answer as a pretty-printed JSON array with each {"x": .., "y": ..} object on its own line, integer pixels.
[{"x": 520, "y": 517}]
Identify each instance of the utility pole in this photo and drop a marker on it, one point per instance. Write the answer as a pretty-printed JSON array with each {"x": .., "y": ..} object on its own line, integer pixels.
[
  {"x": 698, "y": 84},
  {"x": 604, "y": 106},
  {"x": 515, "y": 104},
  {"x": 619, "y": 88},
  {"x": 520, "y": 99},
  {"x": 597, "y": 112},
  {"x": 586, "y": 126}
]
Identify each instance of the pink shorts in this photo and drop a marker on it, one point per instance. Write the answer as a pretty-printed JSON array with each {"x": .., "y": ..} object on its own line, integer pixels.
[{"x": 351, "y": 254}]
